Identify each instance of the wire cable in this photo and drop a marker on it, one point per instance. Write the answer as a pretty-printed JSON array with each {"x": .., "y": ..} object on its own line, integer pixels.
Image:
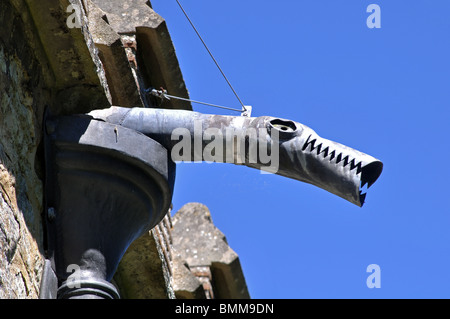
[
  {"x": 162, "y": 95},
  {"x": 215, "y": 61}
]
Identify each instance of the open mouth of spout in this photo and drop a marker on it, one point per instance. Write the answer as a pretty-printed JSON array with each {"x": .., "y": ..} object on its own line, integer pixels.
[
  {"x": 369, "y": 175},
  {"x": 361, "y": 170}
]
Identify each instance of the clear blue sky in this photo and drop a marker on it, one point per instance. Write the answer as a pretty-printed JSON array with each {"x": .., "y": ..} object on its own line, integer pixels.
[{"x": 383, "y": 91}]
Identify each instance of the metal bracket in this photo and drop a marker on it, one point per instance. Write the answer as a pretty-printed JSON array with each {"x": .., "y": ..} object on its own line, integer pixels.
[{"x": 247, "y": 112}]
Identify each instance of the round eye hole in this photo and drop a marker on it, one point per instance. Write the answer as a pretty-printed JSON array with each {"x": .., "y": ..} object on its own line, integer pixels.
[{"x": 283, "y": 125}]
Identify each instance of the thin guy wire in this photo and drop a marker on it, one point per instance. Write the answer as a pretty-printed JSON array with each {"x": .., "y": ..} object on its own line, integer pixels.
[
  {"x": 217, "y": 64},
  {"x": 193, "y": 101}
]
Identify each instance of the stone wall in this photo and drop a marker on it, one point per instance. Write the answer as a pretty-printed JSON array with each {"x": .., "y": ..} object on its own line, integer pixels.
[{"x": 22, "y": 99}]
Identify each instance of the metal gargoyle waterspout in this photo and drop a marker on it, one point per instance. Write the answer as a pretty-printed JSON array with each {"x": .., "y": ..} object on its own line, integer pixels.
[{"x": 296, "y": 151}]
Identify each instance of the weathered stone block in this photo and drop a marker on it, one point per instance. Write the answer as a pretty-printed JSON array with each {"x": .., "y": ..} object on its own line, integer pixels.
[{"x": 201, "y": 244}]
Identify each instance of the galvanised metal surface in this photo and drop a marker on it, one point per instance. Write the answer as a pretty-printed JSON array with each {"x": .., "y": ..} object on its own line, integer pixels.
[
  {"x": 110, "y": 177},
  {"x": 301, "y": 153}
]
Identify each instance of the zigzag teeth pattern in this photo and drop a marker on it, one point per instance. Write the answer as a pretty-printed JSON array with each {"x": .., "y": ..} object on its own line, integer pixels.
[
  {"x": 308, "y": 143},
  {"x": 332, "y": 155},
  {"x": 326, "y": 153},
  {"x": 357, "y": 166}
]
